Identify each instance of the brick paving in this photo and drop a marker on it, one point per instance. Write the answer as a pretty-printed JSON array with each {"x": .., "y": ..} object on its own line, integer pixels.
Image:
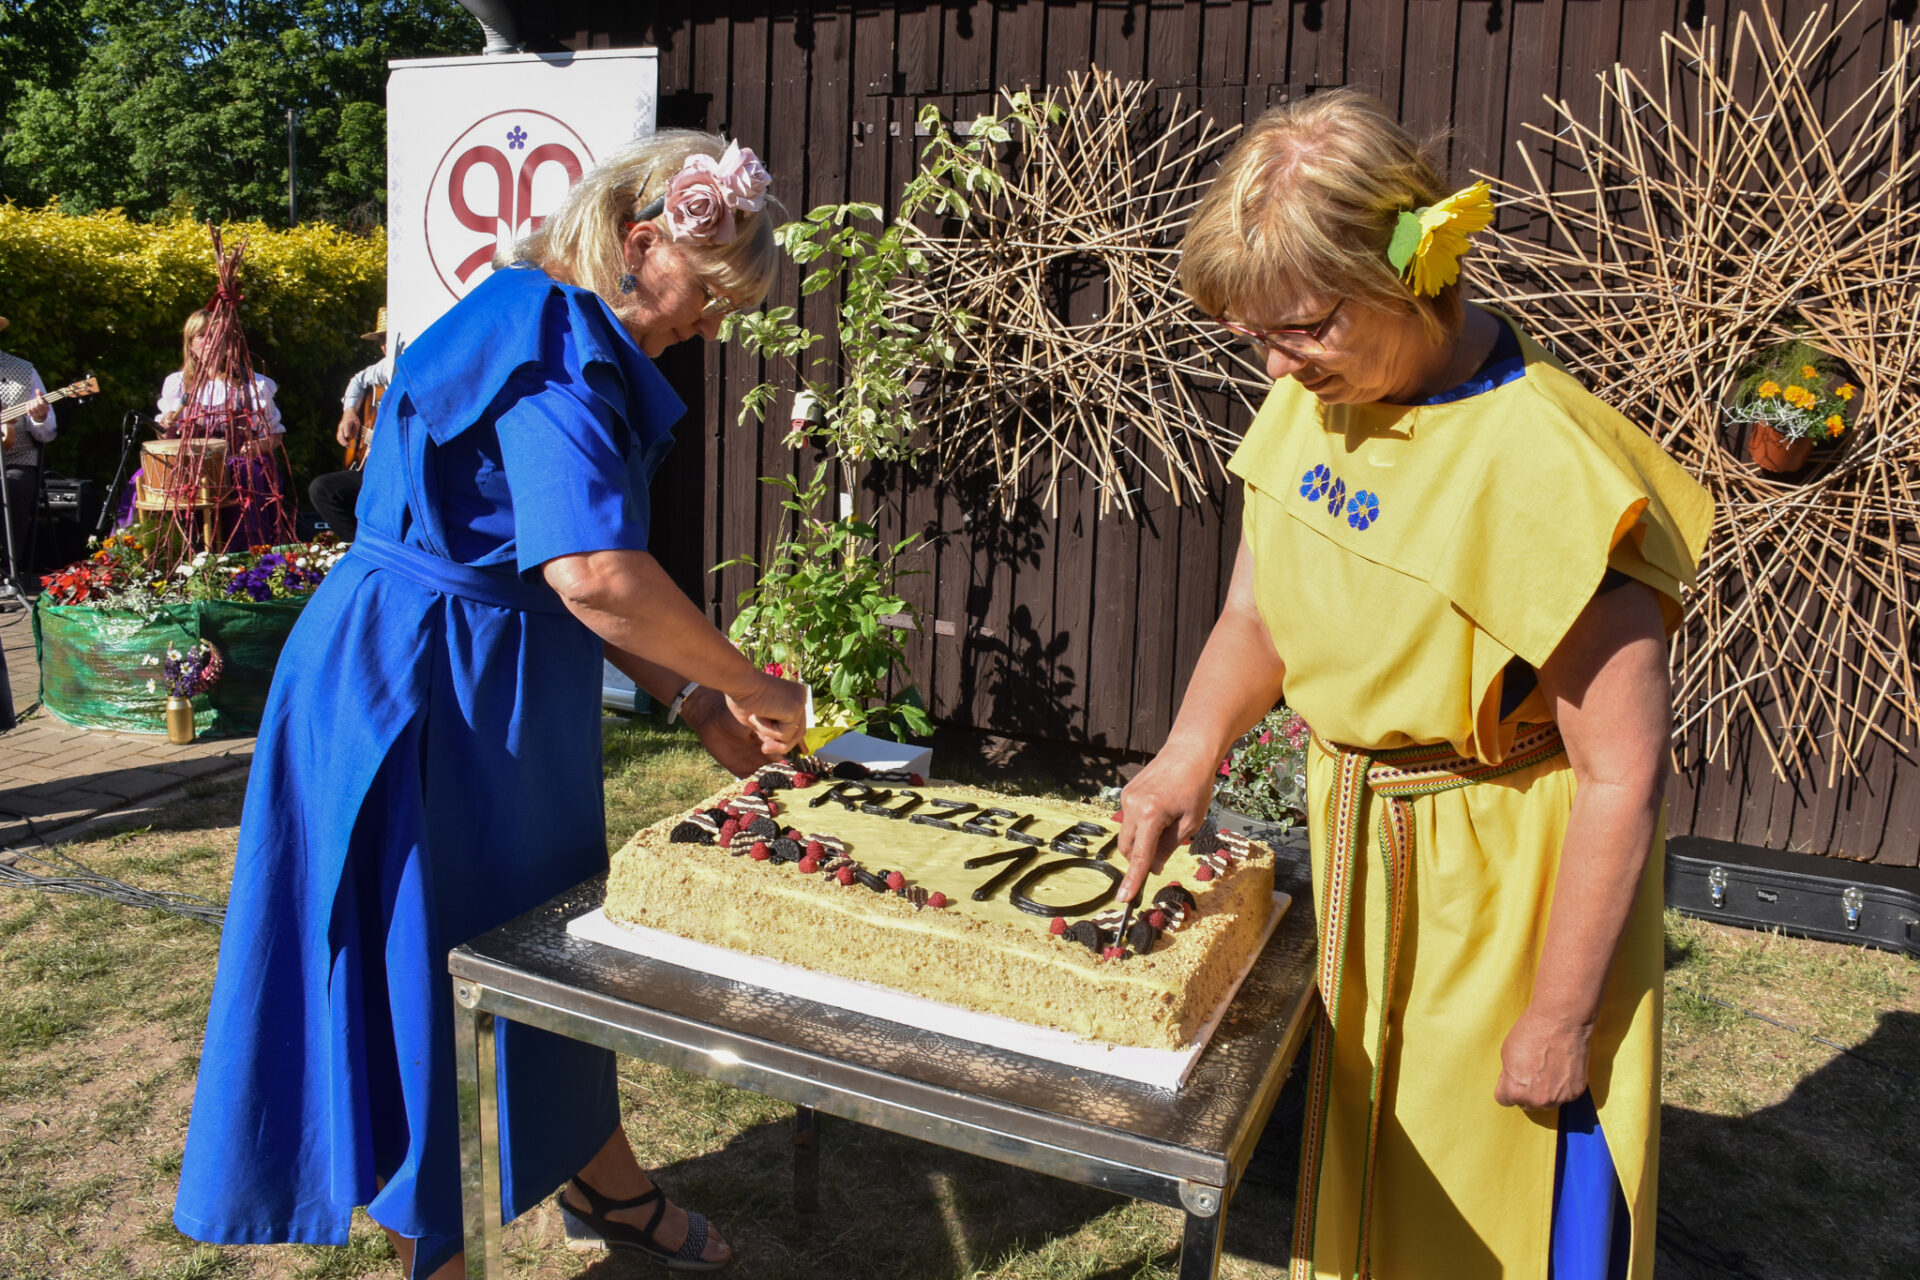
[{"x": 64, "y": 779}]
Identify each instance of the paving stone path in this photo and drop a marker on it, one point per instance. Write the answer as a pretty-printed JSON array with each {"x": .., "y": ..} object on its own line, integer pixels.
[{"x": 57, "y": 780}]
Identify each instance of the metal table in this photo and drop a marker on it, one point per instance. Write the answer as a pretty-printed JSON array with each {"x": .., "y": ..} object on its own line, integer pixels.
[{"x": 1186, "y": 1149}]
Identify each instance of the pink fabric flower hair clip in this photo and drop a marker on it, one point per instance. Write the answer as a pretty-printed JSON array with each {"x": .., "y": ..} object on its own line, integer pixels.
[{"x": 700, "y": 200}]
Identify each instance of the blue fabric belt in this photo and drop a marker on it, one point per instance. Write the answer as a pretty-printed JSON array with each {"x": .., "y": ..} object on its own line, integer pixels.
[{"x": 448, "y": 577}]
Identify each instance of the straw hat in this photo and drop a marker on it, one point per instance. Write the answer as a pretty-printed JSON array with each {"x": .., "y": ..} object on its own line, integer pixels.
[{"x": 379, "y": 327}]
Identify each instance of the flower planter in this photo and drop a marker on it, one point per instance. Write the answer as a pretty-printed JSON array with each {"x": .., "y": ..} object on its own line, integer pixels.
[
  {"x": 91, "y": 673},
  {"x": 1770, "y": 451},
  {"x": 1275, "y": 833}
]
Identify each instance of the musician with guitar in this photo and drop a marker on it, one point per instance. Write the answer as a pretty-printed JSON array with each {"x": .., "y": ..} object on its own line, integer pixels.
[
  {"x": 23, "y": 433},
  {"x": 335, "y": 494}
]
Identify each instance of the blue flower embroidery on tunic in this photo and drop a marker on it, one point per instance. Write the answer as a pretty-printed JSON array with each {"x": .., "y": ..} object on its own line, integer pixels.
[
  {"x": 1336, "y": 496},
  {"x": 1363, "y": 509},
  {"x": 1313, "y": 485}
]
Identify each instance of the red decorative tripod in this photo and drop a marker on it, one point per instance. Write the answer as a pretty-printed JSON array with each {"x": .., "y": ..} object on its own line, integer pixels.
[{"x": 217, "y": 484}]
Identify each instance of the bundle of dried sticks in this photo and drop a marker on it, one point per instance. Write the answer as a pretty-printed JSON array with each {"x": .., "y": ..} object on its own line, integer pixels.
[
  {"x": 1699, "y": 221},
  {"x": 1082, "y": 351}
]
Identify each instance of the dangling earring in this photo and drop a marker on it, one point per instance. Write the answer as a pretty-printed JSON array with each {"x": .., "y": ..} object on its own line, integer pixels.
[{"x": 628, "y": 284}]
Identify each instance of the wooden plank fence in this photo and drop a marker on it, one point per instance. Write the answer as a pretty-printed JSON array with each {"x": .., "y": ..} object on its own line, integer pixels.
[{"x": 1066, "y": 625}]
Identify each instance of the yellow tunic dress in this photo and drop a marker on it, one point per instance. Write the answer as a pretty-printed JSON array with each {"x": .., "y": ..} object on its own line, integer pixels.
[{"x": 1403, "y": 555}]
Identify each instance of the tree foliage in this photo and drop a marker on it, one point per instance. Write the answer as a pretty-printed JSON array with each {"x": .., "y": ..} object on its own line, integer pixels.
[{"x": 158, "y": 106}]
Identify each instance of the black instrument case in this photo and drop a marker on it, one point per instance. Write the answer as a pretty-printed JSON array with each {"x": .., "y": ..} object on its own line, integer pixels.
[{"x": 1798, "y": 893}]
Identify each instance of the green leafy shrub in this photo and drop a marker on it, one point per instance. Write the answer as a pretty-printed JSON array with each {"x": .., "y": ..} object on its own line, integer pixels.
[
  {"x": 101, "y": 292},
  {"x": 1265, "y": 773},
  {"x": 817, "y": 611}
]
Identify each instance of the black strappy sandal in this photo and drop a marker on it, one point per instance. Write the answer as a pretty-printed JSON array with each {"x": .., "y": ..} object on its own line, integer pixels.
[{"x": 625, "y": 1236}]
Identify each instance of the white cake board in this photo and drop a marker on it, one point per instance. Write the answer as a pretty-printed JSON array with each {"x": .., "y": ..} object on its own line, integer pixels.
[
  {"x": 1161, "y": 1068},
  {"x": 878, "y": 754}
]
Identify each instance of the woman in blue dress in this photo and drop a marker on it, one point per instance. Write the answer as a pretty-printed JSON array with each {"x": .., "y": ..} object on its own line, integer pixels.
[{"x": 429, "y": 762}]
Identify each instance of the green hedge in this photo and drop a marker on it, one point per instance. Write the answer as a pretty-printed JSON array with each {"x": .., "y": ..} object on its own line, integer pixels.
[{"x": 102, "y": 293}]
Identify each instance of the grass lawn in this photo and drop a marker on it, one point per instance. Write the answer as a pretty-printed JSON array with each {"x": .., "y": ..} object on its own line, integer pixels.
[{"x": 1784, "y": 1155}]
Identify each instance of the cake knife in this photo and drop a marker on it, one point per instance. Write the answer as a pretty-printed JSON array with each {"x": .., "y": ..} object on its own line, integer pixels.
[{"x": 1126, "y": 921}]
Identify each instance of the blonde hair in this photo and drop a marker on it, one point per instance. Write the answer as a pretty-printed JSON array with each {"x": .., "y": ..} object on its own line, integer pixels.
[
  {"x": 583, "y": 240},
  {"x": 195, "y": 326},
  {"x": 1306, "y": 203}
]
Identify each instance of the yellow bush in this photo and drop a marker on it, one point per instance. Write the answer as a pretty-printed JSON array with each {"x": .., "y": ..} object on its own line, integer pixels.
[{"x": 103, "y": 293}]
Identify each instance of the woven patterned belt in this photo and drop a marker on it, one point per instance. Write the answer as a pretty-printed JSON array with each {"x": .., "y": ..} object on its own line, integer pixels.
[{"x": 1396, "y": 778}]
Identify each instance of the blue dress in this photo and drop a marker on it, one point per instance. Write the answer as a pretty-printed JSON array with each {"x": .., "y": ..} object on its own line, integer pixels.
[{"x": 428, "y": 767}]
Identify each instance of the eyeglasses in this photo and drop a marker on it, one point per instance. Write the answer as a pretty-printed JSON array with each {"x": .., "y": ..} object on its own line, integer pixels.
[
  {"x": 1301, "y": 344},
  {"x": 719, "y": 305}
]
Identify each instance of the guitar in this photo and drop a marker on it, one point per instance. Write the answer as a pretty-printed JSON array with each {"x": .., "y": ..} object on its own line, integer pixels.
[
  {"x": 363, "y": 437},
  {"x": 87, "y": 386}
]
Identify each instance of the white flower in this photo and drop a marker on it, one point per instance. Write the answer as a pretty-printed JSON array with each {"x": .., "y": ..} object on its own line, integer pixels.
[
  {"x": 153, "y": 686},
  {"x": 148, "y": 660},
  {"x": 224, "y": 559},
  {"x": 301, "y": 562},
  {"x": 173, "y": 653},
  {"x": 183, "y": 570},
  {"x": 199, "y": 559}
]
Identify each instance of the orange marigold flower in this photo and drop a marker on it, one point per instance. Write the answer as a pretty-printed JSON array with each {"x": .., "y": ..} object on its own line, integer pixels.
[
  {"x": 1844, "y": 391},
  {"x": 1768, "y": 390},
  {"x": 1808, "y": 371},
  {"x": 1836, "y": 424}
]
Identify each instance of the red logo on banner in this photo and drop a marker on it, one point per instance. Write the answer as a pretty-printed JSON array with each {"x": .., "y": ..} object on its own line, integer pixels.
[{"x": 497, "y": 182}]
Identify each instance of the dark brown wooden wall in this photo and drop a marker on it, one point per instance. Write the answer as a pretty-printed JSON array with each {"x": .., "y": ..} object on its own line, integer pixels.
[{"x": 1066, "y": 625}]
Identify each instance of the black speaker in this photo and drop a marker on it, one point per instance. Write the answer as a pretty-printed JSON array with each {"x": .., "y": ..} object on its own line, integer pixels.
[
  {"x": 57, "y": 543},
  {"x": 66, "y": 499}
]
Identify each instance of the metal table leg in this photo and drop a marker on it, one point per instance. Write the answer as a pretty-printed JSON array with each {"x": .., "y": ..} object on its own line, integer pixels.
[
  {"x": 806, "y": 1160},
  {"x": 1206, "y": 1223},
  {"x": 475, "y": 1065}
]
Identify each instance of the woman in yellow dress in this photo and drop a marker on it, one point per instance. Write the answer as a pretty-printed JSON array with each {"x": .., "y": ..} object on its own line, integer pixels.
[{"x": 1461, "y": 568}]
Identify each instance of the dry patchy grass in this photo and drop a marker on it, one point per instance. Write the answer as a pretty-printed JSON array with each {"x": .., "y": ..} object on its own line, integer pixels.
[{"x": 1781, "y": 1156}]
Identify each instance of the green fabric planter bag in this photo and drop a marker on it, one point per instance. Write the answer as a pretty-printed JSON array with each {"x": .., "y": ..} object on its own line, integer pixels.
[{"x": 91, "y": 672}]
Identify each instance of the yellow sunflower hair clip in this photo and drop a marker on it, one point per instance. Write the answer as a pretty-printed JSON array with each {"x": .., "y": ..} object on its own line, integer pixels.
[{"x": 1428, "y": 243}]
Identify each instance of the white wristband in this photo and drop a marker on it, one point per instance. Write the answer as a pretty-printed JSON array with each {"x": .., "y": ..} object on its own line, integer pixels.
[{"x": 673, "y": 711}]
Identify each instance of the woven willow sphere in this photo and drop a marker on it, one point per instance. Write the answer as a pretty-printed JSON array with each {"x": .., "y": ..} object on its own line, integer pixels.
[
  {"x": 1692, "y": 225},
  {"x": 1082, "y": 351}
]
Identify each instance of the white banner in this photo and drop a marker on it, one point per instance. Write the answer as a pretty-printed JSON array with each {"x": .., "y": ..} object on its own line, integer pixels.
[{"x": 480, "y": 149}]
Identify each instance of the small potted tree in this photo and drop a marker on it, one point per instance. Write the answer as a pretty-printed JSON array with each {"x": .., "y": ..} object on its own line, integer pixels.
[{"x": 825, "y": 595}]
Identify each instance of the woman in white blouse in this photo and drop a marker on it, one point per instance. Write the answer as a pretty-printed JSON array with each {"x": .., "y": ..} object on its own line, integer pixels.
[
  {"x": 213, "y": 393},
  {"x": 257, "y": 517}
]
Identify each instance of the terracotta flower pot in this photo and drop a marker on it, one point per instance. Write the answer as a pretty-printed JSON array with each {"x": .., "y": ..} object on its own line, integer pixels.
[{"x": 1772, "y": 452}]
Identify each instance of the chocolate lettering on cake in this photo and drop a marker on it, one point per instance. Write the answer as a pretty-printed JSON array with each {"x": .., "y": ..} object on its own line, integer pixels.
[
  {"x": 1017, "y": 830},
  {"x": 981, "y": 824},
  {"x": 909, "y": 801},
  {"x": 1020, "y": 857},
  {"x": 853, "y": 795},
  {"x": 953, "y": 808},
  {"x": 1023, "y": 888},
  {"x": 1074, "y": 839}
]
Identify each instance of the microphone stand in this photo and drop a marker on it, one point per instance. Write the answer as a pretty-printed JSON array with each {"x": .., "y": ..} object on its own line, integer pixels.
[
  {"x": 11, "y": 596},
  {"x": 129, "y": 429}
]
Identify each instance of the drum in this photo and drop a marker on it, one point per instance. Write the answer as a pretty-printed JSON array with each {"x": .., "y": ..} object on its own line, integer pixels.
[{"x": 186, "y": 475}]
